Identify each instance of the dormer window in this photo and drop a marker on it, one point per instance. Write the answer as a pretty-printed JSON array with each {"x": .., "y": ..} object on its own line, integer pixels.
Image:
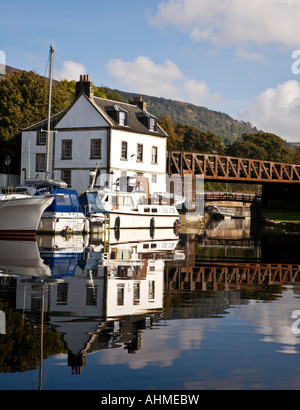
[
  {"x": 152, "y": 124},
  {"x": 122, "y": 118},
  {"x": 148, "y": 120},
  {"x": 118, "y": 115}
]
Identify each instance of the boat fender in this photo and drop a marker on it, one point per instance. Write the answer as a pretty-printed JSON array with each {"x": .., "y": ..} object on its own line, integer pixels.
[
  {"x": 117, "y": 223},
  {"x": 152, "y": 223},
  {"x": 86, "y": 226},
  {"x": 176, "y": 227}
]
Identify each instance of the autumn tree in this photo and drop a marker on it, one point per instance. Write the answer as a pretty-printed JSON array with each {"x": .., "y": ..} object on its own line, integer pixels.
[{"x": 174, "y": 141}]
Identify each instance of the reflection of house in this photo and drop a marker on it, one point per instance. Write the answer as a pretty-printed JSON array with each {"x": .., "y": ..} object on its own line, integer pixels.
[
  {"x": 121, "y": 139},
  {"x": 117, "y": 298},
  {"x": 134, "y": 288}
]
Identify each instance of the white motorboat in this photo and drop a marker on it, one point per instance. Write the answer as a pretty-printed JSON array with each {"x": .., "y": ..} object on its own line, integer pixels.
[
  {"x": 128, "y": 208},
  {"x": 20, "y": 214}
]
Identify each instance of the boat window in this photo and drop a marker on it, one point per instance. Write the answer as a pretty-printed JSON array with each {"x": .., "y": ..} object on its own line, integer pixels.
[
  {"x": 146, "y": 209},
  {"x": 154, "y": 209},
  {"x": 114, "y": 200},
  {"x": 165, "y": 210},
  {"x": 172, "y": 210},
  {"x": 64, "y": 200},
  {"x": 146, "y": 245},
  {"x": 125, "y": 201}
]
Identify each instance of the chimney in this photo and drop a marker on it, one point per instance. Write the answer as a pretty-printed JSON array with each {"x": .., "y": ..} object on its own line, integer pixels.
[
  {"x": 84, "y": 86},
  {"x": 138, "y": 99}
]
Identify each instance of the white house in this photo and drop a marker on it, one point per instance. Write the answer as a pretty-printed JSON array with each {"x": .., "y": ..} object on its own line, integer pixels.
[{"x": 116, "y": 138}]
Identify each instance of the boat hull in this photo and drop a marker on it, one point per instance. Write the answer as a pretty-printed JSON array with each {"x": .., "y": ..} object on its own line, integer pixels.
[
  {"x": 21, "y": 216},
  {"x": 63, "y": 223},
  {"x": 123, "y": 220}
]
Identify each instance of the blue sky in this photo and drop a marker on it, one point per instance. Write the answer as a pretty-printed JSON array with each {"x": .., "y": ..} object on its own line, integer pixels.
[{"x": 233, "y": 56}]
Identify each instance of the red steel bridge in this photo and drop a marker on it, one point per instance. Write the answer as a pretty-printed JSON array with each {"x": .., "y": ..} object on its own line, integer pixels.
[
  {"x": 229, "y": 273},
  {"x": 231, "y": 169}
]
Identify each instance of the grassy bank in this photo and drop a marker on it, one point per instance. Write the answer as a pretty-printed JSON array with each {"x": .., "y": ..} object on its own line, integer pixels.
[{"x": 283, "y": 215}]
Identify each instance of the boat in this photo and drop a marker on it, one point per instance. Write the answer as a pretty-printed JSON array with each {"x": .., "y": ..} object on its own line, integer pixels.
[
  {"x": 127, "y": 206},
  {"x": 20, "y": 214},
  {"x": 64, "y": 215}
]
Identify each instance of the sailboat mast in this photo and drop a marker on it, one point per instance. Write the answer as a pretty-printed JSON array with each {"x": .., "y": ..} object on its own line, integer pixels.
[{"x": 49, "y": 112}]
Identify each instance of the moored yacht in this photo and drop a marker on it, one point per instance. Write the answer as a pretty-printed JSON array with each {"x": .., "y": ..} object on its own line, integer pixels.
[
  {"x": 127, "y": 207},
  {"x": 20, "y": 214}
]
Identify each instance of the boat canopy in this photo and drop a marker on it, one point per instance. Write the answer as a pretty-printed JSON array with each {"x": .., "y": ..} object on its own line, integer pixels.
[
  {"x": 45, "y": 183},
  {"x": 65, "y": 200},
  {"x": 90, "y": 203}
]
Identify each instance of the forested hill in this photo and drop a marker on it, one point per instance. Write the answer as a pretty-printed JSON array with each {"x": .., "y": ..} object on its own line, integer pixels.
[
  {"x": 224, "y": 126},
  {"x": 204, "y": 119}
]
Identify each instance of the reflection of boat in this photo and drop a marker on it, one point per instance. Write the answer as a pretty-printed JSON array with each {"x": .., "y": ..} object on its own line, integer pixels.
[
  {"x": 62, "y": 253},
  {"x": 19, "y": 257},
  {"x": 20, "y": 213},
  {"x": 64, "y": 214},
  {"x": 141, "y": 235},
  {"x": 128, "y": 207}
]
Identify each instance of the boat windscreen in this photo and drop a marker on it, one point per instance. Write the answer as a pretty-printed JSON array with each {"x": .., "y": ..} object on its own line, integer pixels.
[{"x": 90, "y": 203}]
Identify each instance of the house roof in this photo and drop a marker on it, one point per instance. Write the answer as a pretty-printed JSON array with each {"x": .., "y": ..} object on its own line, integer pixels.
[
  {"x": 104, "y": 107},
  {"x": 133, "y": 114},
  {"x": 42, "y": 125}
]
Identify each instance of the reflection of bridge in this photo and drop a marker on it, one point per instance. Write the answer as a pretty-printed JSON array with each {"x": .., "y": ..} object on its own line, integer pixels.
[
  {"x": 202, "y": 274},
  {"x": 225, "y": 168},
  {"x": 232, "y": 196},
  {"x": 226, "y": 242}
]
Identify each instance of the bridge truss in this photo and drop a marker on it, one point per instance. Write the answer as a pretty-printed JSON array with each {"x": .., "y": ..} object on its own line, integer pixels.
[
  {"x": 227, "y": 273},
  {"x": 226, "y": 168}
]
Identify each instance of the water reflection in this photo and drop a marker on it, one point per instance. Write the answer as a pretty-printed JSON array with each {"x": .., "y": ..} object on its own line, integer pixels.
[{"x": 148, "y": 293}]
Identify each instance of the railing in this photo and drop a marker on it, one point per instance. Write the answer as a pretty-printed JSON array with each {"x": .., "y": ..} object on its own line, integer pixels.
[
  {"x": 232, "y": 196},
  {"x": 225, "y": 168}
]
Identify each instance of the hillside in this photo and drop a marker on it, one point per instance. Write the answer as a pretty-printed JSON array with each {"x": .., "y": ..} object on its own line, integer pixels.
[
  {"x": 203, "y": 118},
  {"x": 226, "y": 128}
]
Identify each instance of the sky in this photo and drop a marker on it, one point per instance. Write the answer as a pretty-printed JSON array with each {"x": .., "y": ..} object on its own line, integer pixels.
[{"x": 240, "y": 57}]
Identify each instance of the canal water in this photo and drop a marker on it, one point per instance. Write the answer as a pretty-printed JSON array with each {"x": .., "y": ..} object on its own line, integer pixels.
[{"x": 210, "y": 309}]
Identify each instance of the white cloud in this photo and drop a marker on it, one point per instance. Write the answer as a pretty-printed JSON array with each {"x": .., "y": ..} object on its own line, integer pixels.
[
  {"x": 233, "y": 22},
  {"x": 247, "y": 55},
  {"x": 277, "y": 110},
  {"x": 162, "y": 80},
  {"x": 71, "y": 71}
]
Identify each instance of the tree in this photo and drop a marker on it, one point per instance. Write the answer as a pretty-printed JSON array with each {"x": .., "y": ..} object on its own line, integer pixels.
[
  {"x": 23, "y": 102},
  {"x": 201, "y": 141},
  {"x": 174, "y": 141},
  {"x": 273, "y": 145},
  {"x": 104, "y": 92},
  {"x": 246, "y": 149}
]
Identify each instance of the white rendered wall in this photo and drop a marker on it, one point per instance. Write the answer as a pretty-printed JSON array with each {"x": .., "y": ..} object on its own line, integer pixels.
[{"x": 131, "y": 165}]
